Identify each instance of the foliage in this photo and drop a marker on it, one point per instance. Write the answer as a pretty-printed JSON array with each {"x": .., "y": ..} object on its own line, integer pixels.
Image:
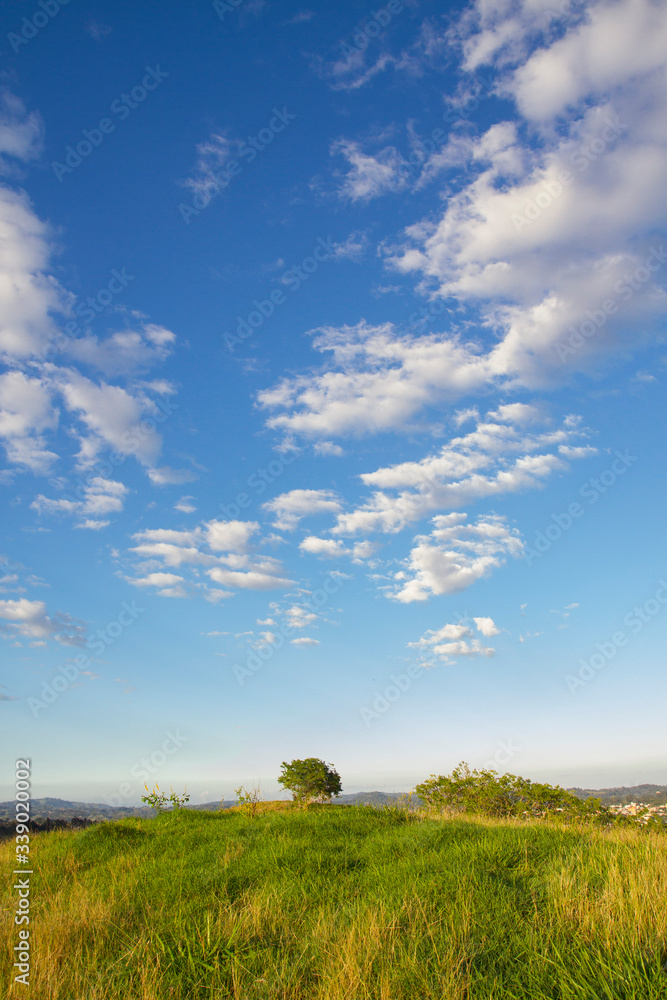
[
  {"x": 310, "y": 780},
  {"x": 248, "y": 800},
  {"x": 157, "y": 800},
  {"x": 468, "y": 790}
]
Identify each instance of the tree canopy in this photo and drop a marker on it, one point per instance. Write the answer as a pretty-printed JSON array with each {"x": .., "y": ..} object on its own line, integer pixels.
[{"x": 310, "y": 780}]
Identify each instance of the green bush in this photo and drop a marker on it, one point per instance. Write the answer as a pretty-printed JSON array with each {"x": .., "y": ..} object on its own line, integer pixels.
[{"x": 486, "y": 792}]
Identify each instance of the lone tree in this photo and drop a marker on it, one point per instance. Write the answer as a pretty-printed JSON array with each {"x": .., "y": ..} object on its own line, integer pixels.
[{"x": 310, "y": 780}]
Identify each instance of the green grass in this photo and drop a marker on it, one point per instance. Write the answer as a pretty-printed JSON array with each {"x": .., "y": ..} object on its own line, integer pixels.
[{"x": 343, "y": 902}]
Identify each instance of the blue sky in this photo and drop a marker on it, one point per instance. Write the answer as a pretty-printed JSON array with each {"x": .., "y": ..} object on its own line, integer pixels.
[{"x": 332, "y": 392}]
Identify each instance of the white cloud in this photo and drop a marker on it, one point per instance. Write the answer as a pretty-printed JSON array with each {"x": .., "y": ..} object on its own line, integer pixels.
[
  {"x": 21, "y": 133},
  {"x": 457, "y": 640},
  {"x": 26, "y": 413},
  {"x": 305, "y": 641},
  {"x": 212, "y": 155},
  {"x": 454, "y": 556},
  {"x": 618, "y": 43},
  {"x": 251, "y": 579},
  {"x": 299, "y": 617},
  {"x": 499, "y": 456},
  {"x": 167, "y": 584},
  {"x": 230, "y": 536},
  {"x": 369, "y": 176},
  {"x": 290, "y": 507},
  {"x": 352, "y": 71},
  {"x": 214, "y": 595},
  {"x": 462, "y": 648},
  {"x": 352, "y": 248},
  {"x": 124, "y": 352},
  {"x": 535, "y": 272},
  {"x": 29, "y": 297},
  {"x": 221, "y": 548},
  {"x": 333, "y": 549},
  {"x": 556, "y": 216},
  {"x": 487, "y": 627},
  {"x": 29, "y": 620},
  {"x": 185, "y": 505},
  {"x": 100, "y": 496},
  {"x": 158, "y": 580},
  {"x": 33, "y": 309},
  {"x": 112, "y": 415},
  {"x": 383, "y": 380},
  {"x": 323, "y": 547},
  {"x": 435, "y": 636},
  {"x": 166, "y": 476}
]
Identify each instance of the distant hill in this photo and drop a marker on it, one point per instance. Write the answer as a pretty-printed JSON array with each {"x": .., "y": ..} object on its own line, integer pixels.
[
  {"x": 63, "y": 809},
  {"x": 648, "y": 794},
  {"x": 48, "y": 808}
]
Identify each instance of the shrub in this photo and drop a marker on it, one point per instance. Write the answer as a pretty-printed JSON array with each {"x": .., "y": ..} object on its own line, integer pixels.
[{"x": 468, "y": 790}]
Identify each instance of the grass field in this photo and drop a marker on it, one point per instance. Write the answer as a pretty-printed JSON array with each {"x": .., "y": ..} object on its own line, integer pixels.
[{"x": 342, "y": 902}]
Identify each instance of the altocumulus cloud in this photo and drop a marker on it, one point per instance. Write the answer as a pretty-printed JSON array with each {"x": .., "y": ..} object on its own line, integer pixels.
[{"x": 223, "y": 551}]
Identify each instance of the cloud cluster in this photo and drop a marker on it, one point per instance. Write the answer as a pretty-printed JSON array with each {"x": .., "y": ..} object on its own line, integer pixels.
[
  {"x": 44, "y": 347},
  {"x": 369, "y": 176},
  {"x": 558, "y": 216},
  {"x": 223, "y": 551},
  {"x": 453, "y": 556},
  {"x": 28, "y": 620},
  {"x": 289, "y": 508},
  {"x": 330, "y": 548},
  {"x": 100, "y": 496},
  {"x": 548, "y": 234},
  {"x": 452, "y": 641},
  {"x": 504, "y": 454}
]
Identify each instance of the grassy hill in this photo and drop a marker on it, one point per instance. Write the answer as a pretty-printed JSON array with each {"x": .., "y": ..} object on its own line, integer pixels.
[{"x": 354, "y": 902}]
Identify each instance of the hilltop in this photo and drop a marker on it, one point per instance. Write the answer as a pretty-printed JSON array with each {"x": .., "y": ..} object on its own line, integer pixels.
[{"x": 329, "y": 904}]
